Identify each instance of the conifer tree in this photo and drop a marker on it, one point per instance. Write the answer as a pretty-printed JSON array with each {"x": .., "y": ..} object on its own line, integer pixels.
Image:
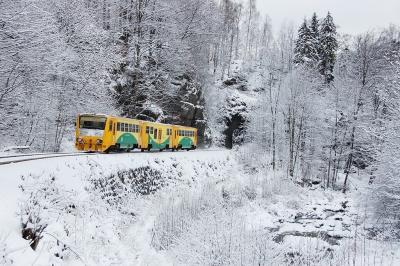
[
  {"x": 315, "y": 39},
  {"x": 329, "y": 46},
  {"x": 306, "y": 47}
]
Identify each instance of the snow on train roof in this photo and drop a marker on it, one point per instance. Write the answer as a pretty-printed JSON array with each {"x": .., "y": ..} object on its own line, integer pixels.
[
  {"x": 119, "y": 117},
  {"x": 93, "y": 114}
]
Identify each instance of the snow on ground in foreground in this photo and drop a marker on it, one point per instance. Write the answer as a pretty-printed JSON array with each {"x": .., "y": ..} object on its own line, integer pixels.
[
  {"x": 71, "y": 174},
  {"x": 93, "y": 221}
]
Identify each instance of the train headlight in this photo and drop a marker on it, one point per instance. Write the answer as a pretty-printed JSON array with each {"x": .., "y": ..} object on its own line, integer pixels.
[
  {"x": 78, "y": 139},
  {"x": 99, "y": 141}
]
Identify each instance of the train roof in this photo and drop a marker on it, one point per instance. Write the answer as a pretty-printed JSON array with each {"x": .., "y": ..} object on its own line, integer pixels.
[
  {"x": 93, "y": 114},
  {"x": 184, "y": 127},
  {"x": 148, "y": 122}
]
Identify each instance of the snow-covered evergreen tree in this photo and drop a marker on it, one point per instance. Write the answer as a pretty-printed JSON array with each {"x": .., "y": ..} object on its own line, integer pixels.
[
  {"x": 329, "y": 46},
  {"x": 307, "y": 45},
  {"x": 315, "y": 39}
]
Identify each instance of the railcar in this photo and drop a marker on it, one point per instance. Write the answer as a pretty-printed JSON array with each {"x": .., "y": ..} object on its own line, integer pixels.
[
  {"x": 156, "y": 136},
  {"x": 184, "y": 138},
  {"x": 97, "y": 132},
  {"x": 103, "y": 133}
]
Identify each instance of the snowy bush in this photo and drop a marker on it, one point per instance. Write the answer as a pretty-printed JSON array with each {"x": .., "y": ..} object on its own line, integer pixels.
[
  {"x": 72, "y": 226},
  {"x": 116, "y": 188},
  {"x": 42, "y": 203},
  {"x": 207, "y": 229}
]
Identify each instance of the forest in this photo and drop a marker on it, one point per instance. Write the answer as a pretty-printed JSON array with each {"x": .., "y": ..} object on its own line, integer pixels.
[{"x": 327, "y": 103}]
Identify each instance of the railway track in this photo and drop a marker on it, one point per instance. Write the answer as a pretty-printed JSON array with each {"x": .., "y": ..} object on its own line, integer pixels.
[
  {"x": 37, "y": 156},
  {"x": 9, "y": 159}
]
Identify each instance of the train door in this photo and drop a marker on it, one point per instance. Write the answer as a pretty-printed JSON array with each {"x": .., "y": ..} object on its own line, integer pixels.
[
  {"x": 109, "y": 134},
  {"x": 170, "y": 137},
  {"x": 114, "y": 133},
  {"x": 145, "y": 136},
  {"x": 155, "y": 138},
  {"x": 111, "y": 127},
  {"x": 159, "y": 140},
  {"x": 174, "y": 137}
]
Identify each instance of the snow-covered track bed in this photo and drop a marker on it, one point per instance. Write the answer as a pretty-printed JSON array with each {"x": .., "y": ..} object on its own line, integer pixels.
[
  {"x": 36, "y": 156},
  {"x": 16, "y": 158}
]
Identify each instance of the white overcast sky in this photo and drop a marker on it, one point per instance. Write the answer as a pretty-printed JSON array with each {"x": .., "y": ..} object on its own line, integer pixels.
[{"x": 352, "y": 16}]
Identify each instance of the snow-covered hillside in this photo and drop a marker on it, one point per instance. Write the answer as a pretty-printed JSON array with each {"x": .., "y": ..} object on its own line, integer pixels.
[
  {"x": 182, "y": 208},
  {"x": 84, "y": 223}
]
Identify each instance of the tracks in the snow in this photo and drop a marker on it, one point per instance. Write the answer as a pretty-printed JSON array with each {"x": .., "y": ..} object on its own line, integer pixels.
[{"x": 37, "y": 156}]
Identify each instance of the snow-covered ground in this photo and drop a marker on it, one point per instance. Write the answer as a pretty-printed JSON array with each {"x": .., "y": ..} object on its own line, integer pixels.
[{"x": 184, "y": 208}]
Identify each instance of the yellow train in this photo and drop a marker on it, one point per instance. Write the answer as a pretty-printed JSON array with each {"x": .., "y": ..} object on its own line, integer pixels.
[{"x": 97, "y": 132}]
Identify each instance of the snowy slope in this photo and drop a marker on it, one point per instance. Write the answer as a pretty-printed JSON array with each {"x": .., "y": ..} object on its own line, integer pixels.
[
  {"x": 203, "y": 208},
  {"x": 71, "y": 176}
]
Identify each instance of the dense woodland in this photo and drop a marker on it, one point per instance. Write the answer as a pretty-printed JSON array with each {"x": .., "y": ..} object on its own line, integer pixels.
[{"x": 328, "y": 104}]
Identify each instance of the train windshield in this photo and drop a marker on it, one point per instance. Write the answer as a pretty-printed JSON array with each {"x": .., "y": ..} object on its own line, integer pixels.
[{"x": 92, "y": 125}]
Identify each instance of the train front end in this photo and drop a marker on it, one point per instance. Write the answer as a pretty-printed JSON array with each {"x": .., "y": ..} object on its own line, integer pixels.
[{"x": 91, "y": 133}]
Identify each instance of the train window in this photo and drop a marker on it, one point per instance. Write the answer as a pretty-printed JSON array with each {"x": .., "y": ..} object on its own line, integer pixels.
[
  {"x": 110, "y": 126},
  {"x": 130, "y": 128},
  {"x": 147, "y": 130},
  {"x": 122, "y": 126},
  {"x": 151, "y": 130},
  {"x": 169, "y": 131},
  {"x": 155, "y": 133},
  {"x": 126, "y": 127},
  {"x": 179, "y": 132},
  {"x": 118, "y": 126},
  {"x": 92, "y": 122}
]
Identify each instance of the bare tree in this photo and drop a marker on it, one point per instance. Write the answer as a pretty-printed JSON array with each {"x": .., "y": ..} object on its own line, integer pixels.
[{"x": 365, "y": 74}]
